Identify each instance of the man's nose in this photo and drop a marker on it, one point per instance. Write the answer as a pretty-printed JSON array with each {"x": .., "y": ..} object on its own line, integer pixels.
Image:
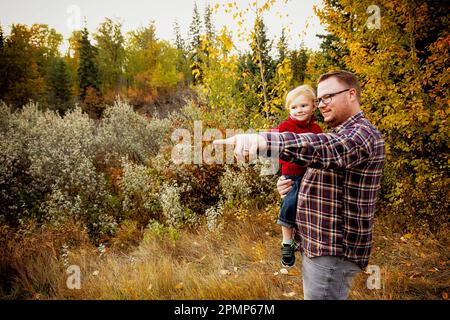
[{"x": 321, "y": 104}]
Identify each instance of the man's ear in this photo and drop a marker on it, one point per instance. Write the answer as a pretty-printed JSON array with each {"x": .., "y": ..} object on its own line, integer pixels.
[{"x": 353, "y": 94}]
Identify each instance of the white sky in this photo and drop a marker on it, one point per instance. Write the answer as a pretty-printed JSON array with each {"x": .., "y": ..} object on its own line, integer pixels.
[{"x": 64, "y": 15}]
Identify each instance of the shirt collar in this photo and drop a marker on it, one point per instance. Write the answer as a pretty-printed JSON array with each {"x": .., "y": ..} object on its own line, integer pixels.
[{"x": 349, "y": 122}]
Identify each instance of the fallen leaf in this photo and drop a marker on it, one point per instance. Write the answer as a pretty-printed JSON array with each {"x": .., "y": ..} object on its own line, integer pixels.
[
  {"x": 276, "y": 281},
  {"x": 179, "y": 286},
  {"x": 293, "y": 272},
  {"x": 225, "y": 272},
  {"x": 445, "y": 295},
  {"x": 290, "y": 294}
]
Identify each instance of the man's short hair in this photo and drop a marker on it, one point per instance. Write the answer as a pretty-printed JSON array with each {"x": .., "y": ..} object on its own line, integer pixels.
[{"x": 345, "y": 77}]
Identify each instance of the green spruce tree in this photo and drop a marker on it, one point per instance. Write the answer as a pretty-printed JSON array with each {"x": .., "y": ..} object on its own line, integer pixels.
[
  {"x": 262, "y": 66},
  {"x": 282, "y": 47},
  {"x": 60, "y": 82},
  {"x": 195, "y": 45},
  {"x": 87, "y": 69},
  {"x": 209, "y": 25},
  {"x": 182, "y": 60},
  {"x": 299, "y": 62}
]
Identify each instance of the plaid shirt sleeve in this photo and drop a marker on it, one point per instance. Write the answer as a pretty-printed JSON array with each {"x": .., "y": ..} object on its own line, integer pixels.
[{"x": 345, "y": 149}]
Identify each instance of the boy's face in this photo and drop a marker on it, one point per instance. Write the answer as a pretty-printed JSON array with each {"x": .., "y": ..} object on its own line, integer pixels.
[{"x": 301, "y": 108}]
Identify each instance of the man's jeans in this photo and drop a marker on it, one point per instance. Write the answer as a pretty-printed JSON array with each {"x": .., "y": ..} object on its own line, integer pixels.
[{"x": 327, "y": 277}]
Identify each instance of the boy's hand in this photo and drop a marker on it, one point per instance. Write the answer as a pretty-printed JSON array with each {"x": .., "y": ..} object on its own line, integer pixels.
[
  {"x": 245, "y": 145},
  {"x": 284, "y": 186}
]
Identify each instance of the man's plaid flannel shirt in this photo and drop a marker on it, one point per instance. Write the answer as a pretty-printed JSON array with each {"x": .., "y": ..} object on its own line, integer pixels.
[{"x": 337, "y": 196}]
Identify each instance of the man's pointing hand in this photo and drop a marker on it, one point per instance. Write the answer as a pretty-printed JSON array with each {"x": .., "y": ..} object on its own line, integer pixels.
[{"x": 245, "y": 145}]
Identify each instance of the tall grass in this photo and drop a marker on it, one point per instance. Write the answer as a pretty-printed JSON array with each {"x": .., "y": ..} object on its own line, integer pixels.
[{"x": 241, "y": 262}]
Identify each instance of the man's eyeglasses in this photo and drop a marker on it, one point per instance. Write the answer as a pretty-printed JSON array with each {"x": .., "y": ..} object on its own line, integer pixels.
[{"x": 326, "y": 99}]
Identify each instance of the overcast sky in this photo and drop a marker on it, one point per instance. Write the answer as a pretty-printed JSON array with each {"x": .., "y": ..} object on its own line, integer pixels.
[{"x": 63, "y": 16}]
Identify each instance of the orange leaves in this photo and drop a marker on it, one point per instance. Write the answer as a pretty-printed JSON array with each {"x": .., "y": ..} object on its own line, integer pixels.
[{"x": 179, "y": 286}]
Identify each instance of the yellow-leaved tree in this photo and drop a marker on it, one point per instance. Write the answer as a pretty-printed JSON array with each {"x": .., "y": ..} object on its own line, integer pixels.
[{"x": 399, "y": 50}]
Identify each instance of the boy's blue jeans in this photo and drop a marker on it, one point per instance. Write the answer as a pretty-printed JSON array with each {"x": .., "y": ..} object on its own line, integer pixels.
[
  {"x": 288, "y": 209},
  {"x": 327, "y": 277}
]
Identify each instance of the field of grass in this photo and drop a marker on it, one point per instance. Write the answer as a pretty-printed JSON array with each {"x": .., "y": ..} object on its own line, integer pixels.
[{"x": 240, "y": 262}]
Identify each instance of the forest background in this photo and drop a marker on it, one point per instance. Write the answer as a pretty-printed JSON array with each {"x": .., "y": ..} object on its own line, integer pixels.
[{"x": 88, "y": 178}]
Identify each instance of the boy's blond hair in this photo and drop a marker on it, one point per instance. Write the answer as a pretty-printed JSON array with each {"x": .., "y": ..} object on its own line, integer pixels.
[{"x": 304, "y": 90}]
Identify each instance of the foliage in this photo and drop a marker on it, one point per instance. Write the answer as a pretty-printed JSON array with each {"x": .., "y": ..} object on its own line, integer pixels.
[
  {"x": 22, "y": 77},
  {"x": 59, "y": 164},
  {"x": 403, "y": 68},
  {"x": 60, "y": 82},
  {"x": 151, "y": 66},
  {"x": 125, "y": 133},
  {"x": 111, "y": 54},
  {"x": 87, "y": 69}
]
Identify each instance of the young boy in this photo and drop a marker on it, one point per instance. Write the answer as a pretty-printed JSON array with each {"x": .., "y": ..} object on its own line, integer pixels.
[{"x": 300, "y": 103}]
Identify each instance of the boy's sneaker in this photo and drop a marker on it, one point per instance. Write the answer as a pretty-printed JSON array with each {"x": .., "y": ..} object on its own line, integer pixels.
[{"x": 288, "y": 255}]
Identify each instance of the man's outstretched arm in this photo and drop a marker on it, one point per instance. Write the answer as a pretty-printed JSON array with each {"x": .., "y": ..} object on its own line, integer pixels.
[{"x": 327, "y": 150}]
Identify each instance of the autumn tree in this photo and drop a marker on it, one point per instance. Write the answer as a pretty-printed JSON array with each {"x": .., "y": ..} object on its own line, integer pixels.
[
  {"x": 258, "y": 69},
  {"x": 152, "y": 66},
  {"x": 21, "y": 73},
  {"x": 397, "y": 49},
  {"x": 2, "y": 62},
  {"x": 1, "y": 38},
  {"x": 111, "y": 54},
  {"x": 72, "y": 58}
]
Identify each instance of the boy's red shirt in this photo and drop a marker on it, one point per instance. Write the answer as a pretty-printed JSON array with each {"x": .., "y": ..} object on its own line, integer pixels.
[{"x": 296, "y": 126}]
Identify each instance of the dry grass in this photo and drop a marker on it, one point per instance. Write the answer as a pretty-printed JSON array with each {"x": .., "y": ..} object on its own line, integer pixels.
[{"x": 238, "y": 263}]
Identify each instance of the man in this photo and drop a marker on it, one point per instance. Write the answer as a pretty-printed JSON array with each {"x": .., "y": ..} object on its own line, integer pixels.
[{"x": 336, "y": 199}]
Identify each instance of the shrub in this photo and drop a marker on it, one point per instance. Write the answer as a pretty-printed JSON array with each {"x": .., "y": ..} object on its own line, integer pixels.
[
  {"x": 244, "y": 184},
  {"x": 175, "y": 213},
  {"x": 124, "y": 133},
  {"x": 139, "y": 191}
]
